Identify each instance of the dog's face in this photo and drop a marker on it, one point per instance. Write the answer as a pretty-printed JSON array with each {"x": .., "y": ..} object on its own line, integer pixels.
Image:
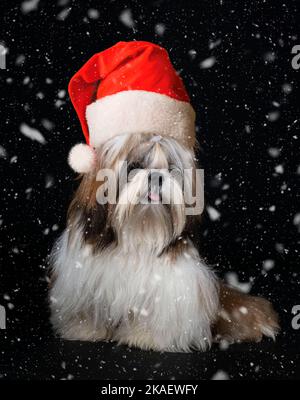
[{"x": 146, "y": 204}]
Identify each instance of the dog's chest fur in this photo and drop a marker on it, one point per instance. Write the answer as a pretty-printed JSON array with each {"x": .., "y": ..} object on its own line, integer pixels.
[{"x": 134, "y": 295}]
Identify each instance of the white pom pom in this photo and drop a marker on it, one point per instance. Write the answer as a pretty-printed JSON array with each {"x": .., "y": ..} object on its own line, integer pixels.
[{"x": 82, "y": 158}]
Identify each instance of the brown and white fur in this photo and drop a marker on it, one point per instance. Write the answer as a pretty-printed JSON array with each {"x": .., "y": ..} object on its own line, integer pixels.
[{"x": 131, "y": 273}]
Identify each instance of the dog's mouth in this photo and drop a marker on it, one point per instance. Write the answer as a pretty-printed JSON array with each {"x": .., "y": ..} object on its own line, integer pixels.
[{"x": 154, "y": 197}]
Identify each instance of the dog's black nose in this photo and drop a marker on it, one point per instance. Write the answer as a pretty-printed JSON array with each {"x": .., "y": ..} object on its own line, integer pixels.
[{"x": 155, "y": 180}]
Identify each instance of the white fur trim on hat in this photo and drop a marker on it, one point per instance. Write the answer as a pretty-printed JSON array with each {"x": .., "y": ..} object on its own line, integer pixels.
[
  {"x": 138, "y": 111},
  {"x": 82, "y": 158}
]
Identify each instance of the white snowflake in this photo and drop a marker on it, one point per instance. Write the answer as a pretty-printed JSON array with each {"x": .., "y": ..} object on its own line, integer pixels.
[
  {"x": 214, "y": 44},
  {"x": 220, "y": 376},
  {"x": 268, "y": 265},
  {"x": 279, "y": 169},
  {"x": 273, "y": 116},
  {"x": 233, "y": 280},
  {"x": 32, "y": 133},
  {"x": 126, "y": 18},
  {"x": 93, "y": 13},
  {"x": 213, "y": 213},
  {"x": 208, "y": 62},
  {"x": 160, "y": 29},
  {"x": 29, "y": 5},
  {"x": 3, "y": 152}
]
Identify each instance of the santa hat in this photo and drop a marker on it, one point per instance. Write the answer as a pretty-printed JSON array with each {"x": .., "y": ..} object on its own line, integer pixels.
[{"x": 131, "y": 87}]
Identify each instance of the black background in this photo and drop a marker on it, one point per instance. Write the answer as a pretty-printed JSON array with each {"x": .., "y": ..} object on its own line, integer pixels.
[{"x": 251, "y": 79}]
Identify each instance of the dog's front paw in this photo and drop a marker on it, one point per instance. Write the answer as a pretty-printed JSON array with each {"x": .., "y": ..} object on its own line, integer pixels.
[{"x": 244, "y": 318}]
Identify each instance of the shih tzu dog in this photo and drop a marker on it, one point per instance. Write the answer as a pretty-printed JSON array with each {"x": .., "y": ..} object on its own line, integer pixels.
[{"x": 127, "y": 267}]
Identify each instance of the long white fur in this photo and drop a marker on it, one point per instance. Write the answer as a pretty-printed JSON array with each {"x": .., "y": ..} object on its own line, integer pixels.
[{"x": 173, "y": 304}]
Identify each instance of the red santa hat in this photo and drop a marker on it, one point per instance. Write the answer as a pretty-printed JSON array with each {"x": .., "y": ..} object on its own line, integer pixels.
[{"x": 131, "y": 87}]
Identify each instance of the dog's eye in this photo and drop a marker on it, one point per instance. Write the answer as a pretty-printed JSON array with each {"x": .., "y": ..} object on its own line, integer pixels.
[
  {"x": 134, "y": 165},
  {"x": 174, "y": 168}
]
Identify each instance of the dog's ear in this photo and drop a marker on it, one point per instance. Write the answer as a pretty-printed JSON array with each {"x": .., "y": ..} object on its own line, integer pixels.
[
  {"x": 190, "y": 232},
  {"x": 87, "y": 215}
]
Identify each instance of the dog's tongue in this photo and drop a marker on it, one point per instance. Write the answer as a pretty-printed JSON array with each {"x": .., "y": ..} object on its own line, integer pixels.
[{"x": 153, "y": 196}]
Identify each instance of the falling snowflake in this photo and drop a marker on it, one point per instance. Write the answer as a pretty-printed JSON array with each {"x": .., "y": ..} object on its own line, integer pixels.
[
  {"x": 192, "y": 53},
  {"x": 93, "y": 13},
  {"x": 232, "y": 280},
  {"x": 296, "y": 220},
  {"x": 214, "y": 44},
  {"x": 160, "y": 29},
  {"x": 279, "y": 169},
  {"x": 213, "y": 213},
  {"x": 274, "y": 152},
  {"x": 127, "y": 19},
  {"x": 64, "y": 14},
  {"x": 268, "y": 265},
  {"x": 29, "y": 5},
  {"x": 208, "y": 62},
  {"x": 287, "y": 88},
  {"x": 32, "y": 133},
  {"x": 269, "y": 57},
  {"x": 273, "y": 116},
  {"x": 3, "y": 152},
  {"x": 220, "y": 376}
]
